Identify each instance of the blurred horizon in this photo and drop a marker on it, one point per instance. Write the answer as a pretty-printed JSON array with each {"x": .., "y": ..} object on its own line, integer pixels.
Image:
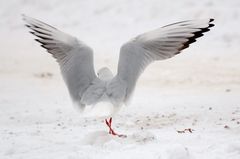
[{"x": 106, "y": 25}]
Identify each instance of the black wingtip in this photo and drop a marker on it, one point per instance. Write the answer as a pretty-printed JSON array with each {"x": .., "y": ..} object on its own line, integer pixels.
[
  {"x": 27, "y": 25},
  {"x": 38, "y": 41},
  {"x": 197, "y": 35},
  {"x": 32, "y": 32},
  {"x": 211, "y": 24},
  {"x": 44, "y": 46}
]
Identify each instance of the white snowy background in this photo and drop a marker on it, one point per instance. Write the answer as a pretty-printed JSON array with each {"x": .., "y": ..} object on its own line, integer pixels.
[{"x": 198, "y": 89}]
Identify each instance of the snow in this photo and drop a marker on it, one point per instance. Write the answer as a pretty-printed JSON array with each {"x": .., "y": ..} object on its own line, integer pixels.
[{"x": 198, "y": 89}]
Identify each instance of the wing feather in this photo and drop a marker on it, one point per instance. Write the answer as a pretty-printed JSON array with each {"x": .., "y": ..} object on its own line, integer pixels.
[
  {"x": 159, "y": 44},
  {"x": 74, "y": 57}
]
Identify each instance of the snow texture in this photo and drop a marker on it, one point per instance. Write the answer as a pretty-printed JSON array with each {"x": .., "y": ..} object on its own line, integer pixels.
[{"x": 198, "y": 90}]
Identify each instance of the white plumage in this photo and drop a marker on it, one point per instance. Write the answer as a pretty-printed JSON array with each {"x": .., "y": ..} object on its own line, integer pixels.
[{"x": 76, "y": 59}]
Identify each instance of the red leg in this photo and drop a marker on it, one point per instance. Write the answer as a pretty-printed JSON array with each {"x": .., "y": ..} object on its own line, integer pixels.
[
  {"x": 109, "y": 124},
  {"x": 111, "y": 131}
]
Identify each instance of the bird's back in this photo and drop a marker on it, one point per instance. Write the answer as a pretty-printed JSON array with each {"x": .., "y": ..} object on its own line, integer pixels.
[
  {"x": 112, "y": 91},
  {"x": 104, "y": 98}
]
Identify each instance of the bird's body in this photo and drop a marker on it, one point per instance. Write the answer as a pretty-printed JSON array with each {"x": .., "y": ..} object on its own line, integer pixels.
[{"x": 76, "y": 60}]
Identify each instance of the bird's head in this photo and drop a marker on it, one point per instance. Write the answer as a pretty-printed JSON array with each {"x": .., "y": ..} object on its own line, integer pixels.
[{"x": 105, "y": 74}]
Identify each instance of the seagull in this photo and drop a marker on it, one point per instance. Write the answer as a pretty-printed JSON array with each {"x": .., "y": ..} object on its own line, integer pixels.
[{"x": 75, "y": 58}]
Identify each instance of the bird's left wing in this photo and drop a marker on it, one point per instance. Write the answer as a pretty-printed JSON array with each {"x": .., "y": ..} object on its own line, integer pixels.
[
  {"x": 74, "y": 57},
  {"x": 159, "y": 44}
]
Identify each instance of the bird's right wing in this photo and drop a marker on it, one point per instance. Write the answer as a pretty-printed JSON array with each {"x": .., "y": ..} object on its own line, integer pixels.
[
  {"x": 74, "y": 57},
  {"x": 159, "y": 44}
]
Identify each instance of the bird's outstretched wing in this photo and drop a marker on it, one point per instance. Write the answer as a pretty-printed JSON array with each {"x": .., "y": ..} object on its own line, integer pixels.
[
  {"x": 159, "y": 44},
  {"x": 74, "y": 57}
]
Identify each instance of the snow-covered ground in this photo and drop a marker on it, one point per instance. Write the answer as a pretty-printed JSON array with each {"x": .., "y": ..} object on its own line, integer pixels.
[{"x": 198, "y": 89}]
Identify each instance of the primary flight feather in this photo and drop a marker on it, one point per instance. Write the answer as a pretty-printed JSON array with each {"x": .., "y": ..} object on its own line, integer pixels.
[{"x": 76, "y": 59}]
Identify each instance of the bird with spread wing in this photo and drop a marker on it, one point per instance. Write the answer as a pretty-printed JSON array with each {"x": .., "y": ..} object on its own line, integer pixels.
[{"x": 75, "y": 59}]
